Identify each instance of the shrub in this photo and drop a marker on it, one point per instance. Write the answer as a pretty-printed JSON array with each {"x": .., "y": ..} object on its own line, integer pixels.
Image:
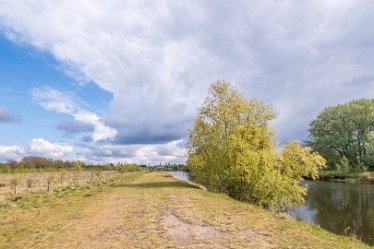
[
  {"x": 29, "y": 183},
  {"x": 50, "y": 179},
  {"x": 14, "y": 182}
]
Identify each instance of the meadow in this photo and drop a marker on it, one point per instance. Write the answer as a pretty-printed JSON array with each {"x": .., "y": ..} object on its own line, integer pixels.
[{"x": 151, "y": 210}]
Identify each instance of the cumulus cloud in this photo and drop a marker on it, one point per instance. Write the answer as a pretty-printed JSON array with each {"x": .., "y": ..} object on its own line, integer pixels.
[
  {"x": 68, "y": 103},
  {"x": 42, "y": 147},
  {"x": 11, "y": 152},
  {"x": 37, "y": 147},
  {"x": 71, "y": 128},
  {"x": 153, "y": 154},
  {"x": 8, "y": 117},
  {"x": 157, "y": 59}
]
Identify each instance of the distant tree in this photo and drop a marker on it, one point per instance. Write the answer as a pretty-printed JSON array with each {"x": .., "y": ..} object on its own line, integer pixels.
[
  {"x": 231, "y": 150},
  {"x": 344, "y": 131},
  {"x": 37, "y": 162},
  {"x": 13, "y": 165},
  {"x": 370, "y": 150}
]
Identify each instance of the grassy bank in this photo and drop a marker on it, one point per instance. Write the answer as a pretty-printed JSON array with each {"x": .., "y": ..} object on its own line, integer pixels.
[
  {"x": 153, "y": 210},
  {"x": 352, "y": 176}
]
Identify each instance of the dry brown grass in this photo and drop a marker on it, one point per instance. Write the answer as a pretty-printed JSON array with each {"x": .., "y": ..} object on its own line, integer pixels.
[
  {"x": 155, "y": 211},
  {"x": 33, "y": 182}
]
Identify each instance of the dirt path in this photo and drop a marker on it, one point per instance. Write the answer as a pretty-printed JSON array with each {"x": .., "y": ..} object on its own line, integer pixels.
[{"x": 156, "y": 211}]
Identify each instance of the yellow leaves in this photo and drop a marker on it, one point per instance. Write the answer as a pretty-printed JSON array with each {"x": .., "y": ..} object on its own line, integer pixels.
[
  {"x": 297, "y": 161},
  {"x": 232, "y": 151}
]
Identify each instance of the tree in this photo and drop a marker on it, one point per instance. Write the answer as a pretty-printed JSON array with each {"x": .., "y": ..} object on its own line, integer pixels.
[
  {"x": 344, "y": 131},
  {"x": 77, "y": 169},
  {"x": 296, "y": 162},
  {"x": 231, "y": 150}
]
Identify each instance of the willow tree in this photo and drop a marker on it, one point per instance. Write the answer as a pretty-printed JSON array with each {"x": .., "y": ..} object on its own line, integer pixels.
[{"x": 231, "y": 150}]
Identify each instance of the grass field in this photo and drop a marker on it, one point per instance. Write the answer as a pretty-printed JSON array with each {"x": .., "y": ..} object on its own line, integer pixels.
[
  {"x": 152, "y": 210},
  {"x": 28, "y": 183}
]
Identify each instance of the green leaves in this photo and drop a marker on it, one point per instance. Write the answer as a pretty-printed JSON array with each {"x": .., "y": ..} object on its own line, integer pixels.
[
  {"x": 344, "y": 131},
  {"x": 232, "y": 151}
]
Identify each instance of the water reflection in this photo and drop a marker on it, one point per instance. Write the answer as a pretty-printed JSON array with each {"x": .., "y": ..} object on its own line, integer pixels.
[
  {"x": 181, "y": 175},
  {"x": 342, "y": 208}
]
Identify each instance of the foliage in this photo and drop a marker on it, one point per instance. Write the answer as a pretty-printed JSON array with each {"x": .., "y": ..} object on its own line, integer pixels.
[
  {"x": 50, "y": 180},
  {"x": 41, "y": 164},
  {"x": 29, "y": 183},
  {"x": 328, "y": 175},
  {"x": 231, "y": 150},
  {"x": 128, "y": 168},
  {"x": 175, "y": 167},
  {"x": 62, "y": 176},
  {"x": 296, "y": 162},
  {"x": 78, "y": 165},
  {"x": 14, "y": 182},
  {"x": 345, "y": 131},
  {"x": 343, "y": 166}
]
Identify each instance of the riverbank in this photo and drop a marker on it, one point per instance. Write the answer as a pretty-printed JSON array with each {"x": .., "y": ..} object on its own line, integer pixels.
[
  {"x": 361, "y": 177},
  {"x": 154, "y": 210}
]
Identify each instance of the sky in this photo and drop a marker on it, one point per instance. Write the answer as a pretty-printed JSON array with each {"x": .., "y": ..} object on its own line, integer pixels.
[{"x": 121, "y": 81}]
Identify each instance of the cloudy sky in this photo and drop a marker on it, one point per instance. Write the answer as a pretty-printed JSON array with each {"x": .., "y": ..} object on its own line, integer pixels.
[{"x": 110, "y": 81}]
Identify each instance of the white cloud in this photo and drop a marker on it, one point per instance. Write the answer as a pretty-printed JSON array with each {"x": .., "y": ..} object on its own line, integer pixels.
[
  {"x": 67, "y": 103},
  {"x": 173, "y": 152},
  {"x": 101, "y": 131},
  {"x": 42, "y": 147},
  {"x": 53, "y": 100},
  {"x": 37, "y": 147},
  {"x": 157, "y": 59},
  {"x": 11, "y": 152}
]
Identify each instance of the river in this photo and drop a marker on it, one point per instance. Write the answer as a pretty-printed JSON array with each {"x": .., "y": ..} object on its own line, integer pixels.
[{"x": 342, "y": 208}]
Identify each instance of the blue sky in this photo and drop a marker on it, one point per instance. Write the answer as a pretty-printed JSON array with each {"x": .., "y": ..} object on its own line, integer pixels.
[
  {"x": 122, "y": 80},
  {"x": 24, "y": 69}
]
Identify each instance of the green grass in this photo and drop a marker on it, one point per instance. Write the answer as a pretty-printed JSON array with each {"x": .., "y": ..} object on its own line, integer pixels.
[
  {"x": 334, "y": 174},
  {"x": 355, "y": 175},
  {"x": 152, "y": 210}
]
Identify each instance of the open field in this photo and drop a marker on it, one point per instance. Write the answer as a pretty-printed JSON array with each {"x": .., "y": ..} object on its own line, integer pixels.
[
  {"x": 152, "y": 210},
  {"x": 28, "y": 183}
]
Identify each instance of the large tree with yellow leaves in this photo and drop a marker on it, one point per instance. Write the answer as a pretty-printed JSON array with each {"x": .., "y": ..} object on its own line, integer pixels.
[{"x": 231, "y": 150}]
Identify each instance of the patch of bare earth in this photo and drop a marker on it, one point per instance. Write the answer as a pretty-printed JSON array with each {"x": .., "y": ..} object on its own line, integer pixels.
[
  {"x": 110, "y": 229},
  {"x": 194, "y": 234}
]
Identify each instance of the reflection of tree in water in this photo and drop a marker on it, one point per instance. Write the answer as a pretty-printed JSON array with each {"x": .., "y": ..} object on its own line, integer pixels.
[{"x": 339, "y": 206}]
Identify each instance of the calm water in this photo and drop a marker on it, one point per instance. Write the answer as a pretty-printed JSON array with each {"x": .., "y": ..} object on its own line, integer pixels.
[
  {"x": 342, "y": 208},
  {"x": 181, "y": 175}
]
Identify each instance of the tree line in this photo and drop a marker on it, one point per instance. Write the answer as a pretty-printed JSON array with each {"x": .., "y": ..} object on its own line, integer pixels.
[
  {"x": 34, "y": 164},
  {"x": 344, "y": 135}
]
